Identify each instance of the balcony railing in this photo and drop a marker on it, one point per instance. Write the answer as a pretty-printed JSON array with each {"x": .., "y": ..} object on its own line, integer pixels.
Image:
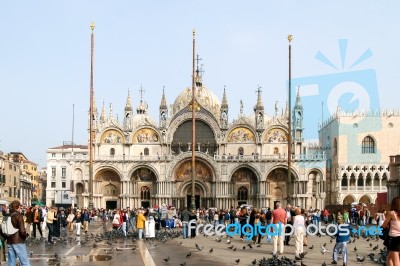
[
  {"x": 270, "y": 158},
  {"x": 126, "y": 158}
]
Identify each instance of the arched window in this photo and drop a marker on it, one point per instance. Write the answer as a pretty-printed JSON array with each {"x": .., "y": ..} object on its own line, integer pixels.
[
  {"x": 276, "y": 151},
  {"x": 112, "y": 151},
  {"x": 146, "y": 151},
  {"x": 145, "y": 193},
  {"x": 240, "y": 151},
  {"x": 242, "y": 193},
  {"x": 368, "y": 145}
]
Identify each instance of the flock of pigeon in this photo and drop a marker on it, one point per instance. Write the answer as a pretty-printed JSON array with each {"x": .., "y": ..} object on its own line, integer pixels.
[
  {"x": 275, "y": 260},
  {"x": 115, "y": 244}
]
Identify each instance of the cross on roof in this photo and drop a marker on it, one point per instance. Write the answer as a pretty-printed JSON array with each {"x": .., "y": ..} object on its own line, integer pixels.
[
  {"x": 357, "y": 168},
  {"x": 348, "y": 168},
  {"x": 381, "y": 168},
  {"x": 141, "y": 91},
  {"x": 258, "y": 89},
  {"x": 365, "y": 168}
]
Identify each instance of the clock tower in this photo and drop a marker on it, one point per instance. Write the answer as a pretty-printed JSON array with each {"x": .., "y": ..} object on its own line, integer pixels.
[{"x": 297, "y": 124}]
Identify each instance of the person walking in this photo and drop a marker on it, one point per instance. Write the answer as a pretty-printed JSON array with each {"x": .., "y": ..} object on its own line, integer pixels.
[
  {"x": 78, "y": 223},
  {"x": 193, "y": 216},
  {"x": 299, "y": 231},
  {"x": 244, "y": 215},
  {"x": 185, "y": 222},
  {"x": 37, "y": 218},
  {"x": 279, "y": 216},
  {"x": 49, "y": 221},
  {"x": 16, "y": 243},
  {"x": 392, "y": 222},
  {"x": 342, "y": 237},
  {"x": 140, "y": 222},
  {"x": 85, "y": 219},
  {"x": 29, "y": 220}
]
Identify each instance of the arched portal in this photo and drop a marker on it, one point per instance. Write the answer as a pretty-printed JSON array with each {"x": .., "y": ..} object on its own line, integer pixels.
[
  {"x": 365, "y": 199},
  {"x": 348, "y": 200},
  {"x": 200, "y": 195},
  {"x": 107, "y": 185},
  {"x": 279, "y": 188},
  {"x": 145, "y": 182},
  {"x": 244, "y": 186},
  {"x": 204, "y": 176}
]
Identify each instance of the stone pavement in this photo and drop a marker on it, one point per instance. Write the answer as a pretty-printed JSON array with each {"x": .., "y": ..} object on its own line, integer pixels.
[{"x": 177, "y": 251}]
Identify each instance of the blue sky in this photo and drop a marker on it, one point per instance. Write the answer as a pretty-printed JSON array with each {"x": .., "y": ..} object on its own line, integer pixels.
[{"x": 45, "y": 57}]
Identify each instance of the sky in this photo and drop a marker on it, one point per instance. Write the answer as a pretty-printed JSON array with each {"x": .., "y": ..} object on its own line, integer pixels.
[{"x": 45, "y": 59}]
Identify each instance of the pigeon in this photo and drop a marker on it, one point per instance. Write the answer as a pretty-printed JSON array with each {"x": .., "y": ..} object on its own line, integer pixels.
[
  {"x": 30, "y": 253},
  {"x": 370, "y": 245},
  {"x": 228, "y": 241},
  {"x": 355, "y": 249},
  {"x": 259, "y": 245},
  {"x": 360, "y": 259},
  {"x": 234, "y": 249},
  {"x": 244, "y": 247},
  {"x": 375, "y": 248},
  {"x": 323, "y": 264},
  {"x": 254, "y": 262},
  {"x": 218, "y": 239},
  {"x": 167, "y": 259},
  {"x": 249, "y": 245},
  {"x": 302, "y": 264},
  {"x": 188, "y": 255},
  {"x": 56, "y": 256},
  {"x": 231, "y": 247},
  {"x": 237, "y": 261},
  {"x": 211, "y": 250},
  {"x": 312, "y": 246},
  {"x": 200, "y": 248},
  {"x": 323, "y": 250},
  {"x": 94, "y": 245},
  {"x": 183, "y": 264}
]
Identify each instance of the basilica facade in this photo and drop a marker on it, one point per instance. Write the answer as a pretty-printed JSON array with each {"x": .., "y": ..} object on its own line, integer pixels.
[{"x": 139, "y": 162}]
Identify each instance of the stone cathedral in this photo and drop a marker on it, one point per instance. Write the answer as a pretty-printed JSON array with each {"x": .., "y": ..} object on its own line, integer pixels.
[{"x": 142, "y": 163}]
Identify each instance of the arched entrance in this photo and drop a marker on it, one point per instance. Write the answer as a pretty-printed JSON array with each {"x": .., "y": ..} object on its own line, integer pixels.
[
  {"x": 244, "y": 186},
  {"x": 278, "y": 186},
  {"x": 199, "y": 194},
  {"x": 145, "y": 181},
  {"x": 108, "y": 186},
  {"x": 203, "y": 183},
  {"x": 348, "y": 200},
  {"x": 365, "y": 199}
]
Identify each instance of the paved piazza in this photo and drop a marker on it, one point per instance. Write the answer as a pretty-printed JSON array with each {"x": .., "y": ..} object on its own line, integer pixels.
[{"x": 178, "y": 250}]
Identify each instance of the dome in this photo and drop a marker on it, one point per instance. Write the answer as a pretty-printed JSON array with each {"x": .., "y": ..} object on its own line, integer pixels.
[{"x": 206, "y": 98}]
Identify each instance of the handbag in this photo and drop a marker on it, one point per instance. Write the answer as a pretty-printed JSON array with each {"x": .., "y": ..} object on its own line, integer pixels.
[{"x": 385, "y": 233}]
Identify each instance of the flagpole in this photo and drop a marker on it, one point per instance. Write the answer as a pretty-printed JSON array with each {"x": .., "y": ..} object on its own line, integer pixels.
[
  {"x": 193, "y": 199},
  {"x": 290, "y": 37},
  {"x": 92, "y": 26}
]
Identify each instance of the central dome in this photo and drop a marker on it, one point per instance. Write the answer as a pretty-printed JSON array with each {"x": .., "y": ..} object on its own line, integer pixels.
[{"x": 206, "y": 98}]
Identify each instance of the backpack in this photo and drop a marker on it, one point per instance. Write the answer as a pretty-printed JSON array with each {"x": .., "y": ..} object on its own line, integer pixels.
[{"x": 6, "y": 226}]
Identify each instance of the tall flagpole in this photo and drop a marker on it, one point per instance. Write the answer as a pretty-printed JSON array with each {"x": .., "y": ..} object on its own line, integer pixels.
[
  {"x": 193, "y": 199},
  {"x": 92, "y": 26},
  {"x": 290, "y": 37}
]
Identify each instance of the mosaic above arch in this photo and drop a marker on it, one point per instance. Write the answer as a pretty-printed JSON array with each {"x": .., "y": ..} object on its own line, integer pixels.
[
  {"x": 241, "y": 134},
  {"x": 275, "y": 135},
  {"x": 184, "y": 171},
  {"x": 146, "y": 135},
  {"x": 112, "y": 136}
]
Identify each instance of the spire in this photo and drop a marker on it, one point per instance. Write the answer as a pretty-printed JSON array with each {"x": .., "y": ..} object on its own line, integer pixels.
[
  {"x": 163, "y": 104},
  {"x": 142, "y": 107},
  {"x": 224, "y": 100},
  {"x": 259, "y": 106},
  {"x": 287, "y": 110},
  {"x": 128, "y": 106},
  {"x": 111, "y": 110},
  {"x": 298, "y": 104},
  {"x": 103, "y": 116}
]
